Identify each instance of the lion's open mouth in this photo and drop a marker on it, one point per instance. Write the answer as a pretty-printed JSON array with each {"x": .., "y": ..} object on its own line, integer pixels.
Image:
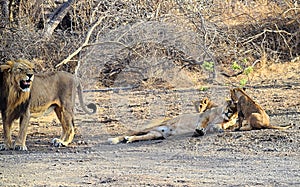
[{"x": 25, "y": 84}]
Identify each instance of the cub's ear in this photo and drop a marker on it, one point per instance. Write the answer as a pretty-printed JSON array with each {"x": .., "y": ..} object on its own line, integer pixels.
[{"x": 205, "y": 100}]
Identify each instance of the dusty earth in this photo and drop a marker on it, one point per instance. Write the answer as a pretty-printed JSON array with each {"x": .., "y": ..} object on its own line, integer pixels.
[{"x": 254, "y": 158}]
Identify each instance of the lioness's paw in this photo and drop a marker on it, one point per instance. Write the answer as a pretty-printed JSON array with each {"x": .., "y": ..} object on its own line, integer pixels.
[
  {"x": 129, "y": 139},
  {"x": 56, "y": 142},
  {"x": 20, "y": 148},
  {"x": 113, "y": 140}
]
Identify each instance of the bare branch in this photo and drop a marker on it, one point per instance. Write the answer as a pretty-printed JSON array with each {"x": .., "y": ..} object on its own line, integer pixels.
[
  {"x": 85, "y": 43},
  {"x": 264, "y": 32}
]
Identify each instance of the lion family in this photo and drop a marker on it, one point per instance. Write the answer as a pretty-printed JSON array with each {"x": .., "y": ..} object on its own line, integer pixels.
[
  {"x": 23, "y": 93},
  {"x": 210, "y": 118}
]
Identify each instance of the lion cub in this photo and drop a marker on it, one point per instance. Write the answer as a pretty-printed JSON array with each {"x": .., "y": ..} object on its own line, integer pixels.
[
  {"x": 250, "y": 111},
  {"x": 203, "y": 105}
]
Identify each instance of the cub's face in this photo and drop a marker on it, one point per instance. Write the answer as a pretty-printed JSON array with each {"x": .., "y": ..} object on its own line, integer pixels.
[
  {"x": 203, "y": 105},
  {"x": 236, "y": 93},
  {"x": 19, "y": 73},
  {"x": 233, "y": 95}
]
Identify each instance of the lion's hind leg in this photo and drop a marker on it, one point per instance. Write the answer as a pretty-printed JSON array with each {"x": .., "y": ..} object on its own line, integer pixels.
[
  {"x": 258, "y": 121},
  {"x": 66, "y": 119},
  {"x": 151, "y": 135},
  {"x": 121, "y": 139},
  {"x": 246, "y": 127},
  {"x": 116, "y": 140}
]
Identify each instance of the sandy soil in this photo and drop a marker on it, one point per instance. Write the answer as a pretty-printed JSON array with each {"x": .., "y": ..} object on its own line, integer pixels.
[{"x": 254, "y": 158}]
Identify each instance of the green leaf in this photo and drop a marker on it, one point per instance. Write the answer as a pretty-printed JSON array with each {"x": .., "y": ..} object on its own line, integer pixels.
[
  {"x": 203, "y": 88},
  {"x": 208, "y": 66},
  {"x": 235, "y": 66},
  {"x": 243, "y": 82},
  {"x": 248, "y": 70}
]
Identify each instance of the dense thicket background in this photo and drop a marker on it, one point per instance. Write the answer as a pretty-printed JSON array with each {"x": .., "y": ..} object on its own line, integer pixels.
[{"x": 151, "y": 39}]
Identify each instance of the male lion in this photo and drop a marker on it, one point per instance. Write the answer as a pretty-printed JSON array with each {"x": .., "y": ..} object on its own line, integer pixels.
[
  {"x": 23, "y": 93},
  {"x": 250, "y": 111},
  {"x": 182, "y": 124}
]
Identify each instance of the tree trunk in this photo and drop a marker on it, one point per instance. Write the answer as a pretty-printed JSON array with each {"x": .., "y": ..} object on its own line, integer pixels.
[
  {"x": 56, "y": 18},
  {"x": 4, "y": 8},
  {"x": 4, "y": 12}
]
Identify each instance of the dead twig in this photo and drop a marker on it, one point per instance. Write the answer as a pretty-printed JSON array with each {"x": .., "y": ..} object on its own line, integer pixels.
[
  {"x": 85, "y": 43},
  {"x": 264, "y": 32}
]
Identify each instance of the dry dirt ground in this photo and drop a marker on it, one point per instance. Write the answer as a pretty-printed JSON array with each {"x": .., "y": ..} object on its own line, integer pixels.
[{"x": 254, "y": 158}]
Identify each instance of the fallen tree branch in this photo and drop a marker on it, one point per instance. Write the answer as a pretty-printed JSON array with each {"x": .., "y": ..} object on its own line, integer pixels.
[{"x": 233, "y": 75}]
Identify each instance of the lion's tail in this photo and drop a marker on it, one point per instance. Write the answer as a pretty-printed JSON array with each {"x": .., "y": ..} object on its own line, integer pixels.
[
  {"x": 91, "y": 106},
  {"x": 280, "y": 127}
]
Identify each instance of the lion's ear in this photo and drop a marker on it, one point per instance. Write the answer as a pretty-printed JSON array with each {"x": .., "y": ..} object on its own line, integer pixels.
[
  {"x": 4, "y": 67},
  {"x": 8, "y": 66},
  {"x": 229, "y": 102}
]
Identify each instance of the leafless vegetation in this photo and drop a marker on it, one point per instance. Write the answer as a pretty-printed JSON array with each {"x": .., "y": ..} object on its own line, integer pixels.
[{"x": 151, "y": 39}]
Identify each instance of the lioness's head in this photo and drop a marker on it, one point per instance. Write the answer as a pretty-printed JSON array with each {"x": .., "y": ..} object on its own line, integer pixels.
[{"x": 19, "y": 74}]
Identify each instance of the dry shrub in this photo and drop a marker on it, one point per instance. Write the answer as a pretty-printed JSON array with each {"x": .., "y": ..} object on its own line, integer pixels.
[
  {"x": 258, "y": 29},
  {"x": 22, "y": 43},
  {"x": 193, "y": 33},
  {"x": 139, "y": 40},
  {"x": 143, "y": 51}
]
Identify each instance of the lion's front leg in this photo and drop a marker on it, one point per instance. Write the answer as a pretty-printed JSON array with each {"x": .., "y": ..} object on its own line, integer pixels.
[
  {"x": 241, "y": 116},
  {"x": 20, "y": 143},
  {"x": 7, "y": 135},
  {"x": 201, "y": 126}
]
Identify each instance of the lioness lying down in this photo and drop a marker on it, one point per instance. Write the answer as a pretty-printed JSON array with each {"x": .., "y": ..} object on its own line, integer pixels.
[
  {"x": 22, "y": 93},
  {"x": 182, "y": 124}
]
